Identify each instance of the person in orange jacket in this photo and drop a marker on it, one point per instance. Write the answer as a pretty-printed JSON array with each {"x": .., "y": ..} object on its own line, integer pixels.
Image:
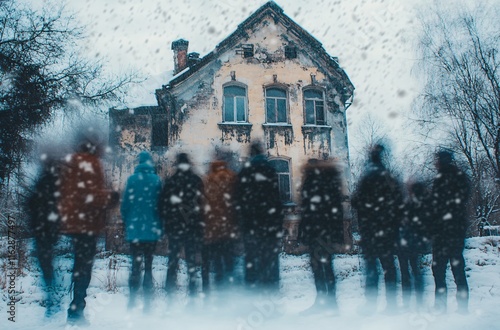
[{"x": 221, "y": 227}]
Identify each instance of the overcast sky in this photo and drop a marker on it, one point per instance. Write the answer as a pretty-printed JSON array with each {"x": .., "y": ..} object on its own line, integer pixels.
[{"x": 374, "y": 40}]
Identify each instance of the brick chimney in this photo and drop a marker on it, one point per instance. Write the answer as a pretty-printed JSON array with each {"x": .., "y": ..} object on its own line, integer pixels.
[{"x": 180, "y": 48}]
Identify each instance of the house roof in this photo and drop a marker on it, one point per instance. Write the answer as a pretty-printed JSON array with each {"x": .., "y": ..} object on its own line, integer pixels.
[{"x": 277, "y": 13}]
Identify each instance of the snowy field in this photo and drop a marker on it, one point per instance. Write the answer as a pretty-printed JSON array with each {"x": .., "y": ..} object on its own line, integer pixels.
[{"x": 239, "y": 309}]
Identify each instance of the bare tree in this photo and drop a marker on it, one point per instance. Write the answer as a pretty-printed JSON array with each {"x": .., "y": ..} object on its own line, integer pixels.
[
  {"x": 41, "y": 72},
  {"x": 460, "y": 61}
]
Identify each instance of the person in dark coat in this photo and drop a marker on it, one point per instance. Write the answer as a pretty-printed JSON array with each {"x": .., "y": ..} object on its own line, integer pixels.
[
  {"x": 450, "y": 191},
  {"x": 260, "y": 210},
  {"x": 221, "y": 228},
  {"x": 180, "y": 207},
  {"x": 143, "y": 229},
  {"x": 41, "y": 207},
  {"x": 82, "y": 206},
  {"x": 378, "y": 200},
  {"x": 322, "y": 225},
  {"x": 414, "y": 241}
]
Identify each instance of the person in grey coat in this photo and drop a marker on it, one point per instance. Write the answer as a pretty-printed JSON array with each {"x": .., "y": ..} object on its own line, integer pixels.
[{"x": 143, "y": 228}]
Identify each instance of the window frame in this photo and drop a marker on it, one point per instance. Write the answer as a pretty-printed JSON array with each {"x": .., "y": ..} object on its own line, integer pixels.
[
  {"x": 289, "y": 193},
  {"x": 235, "y": 103},
  {"x": 275, "y": 100},
  {"x": 315, "y": 105}
]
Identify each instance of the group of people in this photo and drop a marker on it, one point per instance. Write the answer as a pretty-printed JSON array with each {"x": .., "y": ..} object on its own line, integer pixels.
[
  {"x": 204, "y": 217},
  {"x": 201, "y": 217},
  {"x": 207, "y": 217},
  {"x": 391, "y": 226}
]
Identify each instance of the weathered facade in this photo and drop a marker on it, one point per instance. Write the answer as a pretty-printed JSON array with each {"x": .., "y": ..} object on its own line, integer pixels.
[{"x": 269, "y": 80}]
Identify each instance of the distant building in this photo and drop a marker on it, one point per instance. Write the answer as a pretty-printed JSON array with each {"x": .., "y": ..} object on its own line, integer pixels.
[{"x": 269, "y": 80}]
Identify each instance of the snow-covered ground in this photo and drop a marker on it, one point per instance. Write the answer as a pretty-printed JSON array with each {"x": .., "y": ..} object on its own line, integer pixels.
[{"x": 239, "y": 309}]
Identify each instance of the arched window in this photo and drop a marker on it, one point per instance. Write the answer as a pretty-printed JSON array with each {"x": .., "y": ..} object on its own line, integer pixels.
[
  {"x": 276, "y": 105},
  {"x": 314, "y": 107},
  {"x": 282, "y": 167},
  {"x": 235, "y": 104}
]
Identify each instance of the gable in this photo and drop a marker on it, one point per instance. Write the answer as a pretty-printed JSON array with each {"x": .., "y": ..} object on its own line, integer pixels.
[{"x": 270, "y": 31}]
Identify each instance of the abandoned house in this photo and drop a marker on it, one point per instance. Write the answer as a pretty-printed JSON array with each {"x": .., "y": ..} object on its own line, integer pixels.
[{"x": 270, "y": 80}]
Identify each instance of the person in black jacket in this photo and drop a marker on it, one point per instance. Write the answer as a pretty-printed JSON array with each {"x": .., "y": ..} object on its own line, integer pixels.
[
  {"x": 260, "y": 209},
  {"x": 450, "y": 191},
  {"x": 414, "y": 241},
  {"x": 322, "y": 226},
  {"x": 41, "y": 207},
  {"x": 379, "y": 204},
  {"x": 181, "y": 211}
]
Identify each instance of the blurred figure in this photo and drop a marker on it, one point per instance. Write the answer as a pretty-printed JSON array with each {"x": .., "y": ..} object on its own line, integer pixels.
[
  {"x": 322, "y": 225},
  {"x": 220, "y": 224},
  {"x": 82, "y": 207},
  {"x": 181, "y": 211},
  {"x": 450, "y": 191},
  {"x": 261, "y": 219},
  {"x": 414, "y": 241},
  {"x": 139, "y": 211},
  {"x": 379, "y": 204},
  {"x": 41, "y": 207}
]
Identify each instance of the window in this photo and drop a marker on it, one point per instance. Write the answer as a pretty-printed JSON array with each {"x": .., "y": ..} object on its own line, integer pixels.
[
  {"x": 290, "y": 52},
  {"x": 314, "y": 107},
  {"x": 282, "y": 167},
  {"x": 235, "y": 100},
  {"x": 275, "y": 105},
  {"x": 160, "y": 132},
  {"x": 247, "y": 50}
]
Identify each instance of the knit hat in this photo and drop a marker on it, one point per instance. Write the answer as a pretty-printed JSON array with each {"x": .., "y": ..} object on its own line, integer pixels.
[
  {"x": 444, "y": 157},
  {"x": 183, "y": 158}
]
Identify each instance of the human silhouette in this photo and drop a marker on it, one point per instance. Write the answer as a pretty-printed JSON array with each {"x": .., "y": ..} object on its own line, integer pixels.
[
  {"x": 414, "y": 241},
  {"x": 322, "y": 226},
  {"x": 143, "y": 228},
  {"x": 180, "y": 207},
  {"x": 378, "y": 200},
  {"x": 449, "y": 195},
  {"x": 260, "y": 209},
  {"x": 221, "y": 227},
  {"x": 83, "y": 203}
]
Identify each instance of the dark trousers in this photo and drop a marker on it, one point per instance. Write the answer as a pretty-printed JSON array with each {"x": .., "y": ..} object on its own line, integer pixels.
[
  {"x": 45, "y": 254},
  {"x": 175, "y": 247},
  {"x": 441, "y": 255},
  {"x": 141, "y": 252},
  {"x": 323, "y": 271},
  {"x": 372, "y": 278},
  {"x": 221, "y": 256},
  {"x": 262, "y": 263},
  {"x": 409, "y": 264},
  {"x": 84, "y": 247}
]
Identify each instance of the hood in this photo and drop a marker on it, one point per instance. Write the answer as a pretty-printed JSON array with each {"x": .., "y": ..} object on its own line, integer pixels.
[
  {"x": 145, "y": 157},
  {"x": 218, "y": 165},
  {"x": 145, "y": 163},
  {"x": 145, "y": 168},
  {"x": 322, "y": 167},
  {"x": 259, "y": 159}
]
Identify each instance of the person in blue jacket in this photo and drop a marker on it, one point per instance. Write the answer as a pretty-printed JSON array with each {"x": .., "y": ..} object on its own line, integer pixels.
[{"x": 143, "y": 229}]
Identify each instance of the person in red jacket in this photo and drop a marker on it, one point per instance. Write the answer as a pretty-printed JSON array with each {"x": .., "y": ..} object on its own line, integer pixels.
[{"x": 83, "y": 201}]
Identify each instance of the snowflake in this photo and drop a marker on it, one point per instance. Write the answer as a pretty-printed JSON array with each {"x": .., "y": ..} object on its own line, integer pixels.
[{"x": 86, "y": 166}]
